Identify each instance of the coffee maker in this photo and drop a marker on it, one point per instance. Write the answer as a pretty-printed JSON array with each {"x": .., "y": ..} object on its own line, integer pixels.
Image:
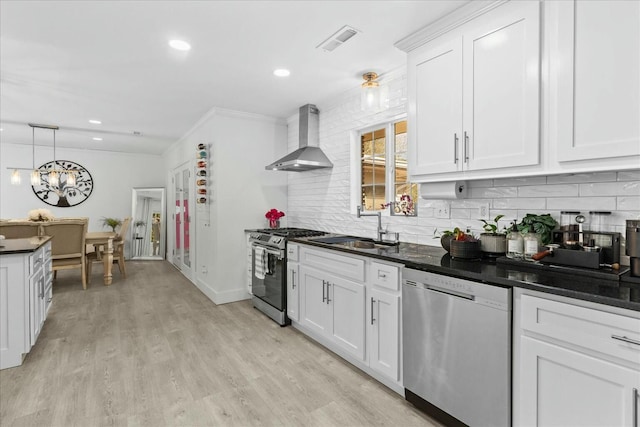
[{"x": 633, "y": 246}]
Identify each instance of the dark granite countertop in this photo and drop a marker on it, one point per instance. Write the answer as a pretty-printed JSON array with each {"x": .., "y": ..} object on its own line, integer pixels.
[
  {"x": 600, "y": 286},
  {"x": 17, "y": 246}
]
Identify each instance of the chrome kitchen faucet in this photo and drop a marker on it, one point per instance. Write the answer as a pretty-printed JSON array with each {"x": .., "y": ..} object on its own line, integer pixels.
[{"x": 381, "y": 231}]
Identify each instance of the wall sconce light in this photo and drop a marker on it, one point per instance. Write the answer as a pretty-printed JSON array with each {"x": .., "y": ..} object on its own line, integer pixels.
[{"x": 373, "y": 96}]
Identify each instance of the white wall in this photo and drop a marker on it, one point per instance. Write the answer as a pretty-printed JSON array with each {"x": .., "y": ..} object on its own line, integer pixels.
[
  {"x": 240, "y": 190},
  {"x": 114, "y": 175},
  {"x": 321, "y": 199}
]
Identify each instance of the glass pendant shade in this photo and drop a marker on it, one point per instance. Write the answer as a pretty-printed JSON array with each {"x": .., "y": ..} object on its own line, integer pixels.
[
  {"x": 35, "y": 177},
  {"x": 373, "y": 96},
  {"x": 53, "y": 178},
  {"x": 71, "y": 179},
  {"x": 15, "y": 177}
]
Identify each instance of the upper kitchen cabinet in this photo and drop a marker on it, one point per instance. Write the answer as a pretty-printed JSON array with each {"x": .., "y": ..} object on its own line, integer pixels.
[
  {"x": 474, "y": 94},
  {"x": 594, "y": 108}
]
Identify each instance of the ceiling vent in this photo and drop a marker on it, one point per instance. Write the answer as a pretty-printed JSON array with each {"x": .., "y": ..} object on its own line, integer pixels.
[{"x": 338, "y": 38}]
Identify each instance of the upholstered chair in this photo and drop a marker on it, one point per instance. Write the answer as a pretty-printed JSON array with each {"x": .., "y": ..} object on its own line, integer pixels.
[{"x": 68, "y": 245}]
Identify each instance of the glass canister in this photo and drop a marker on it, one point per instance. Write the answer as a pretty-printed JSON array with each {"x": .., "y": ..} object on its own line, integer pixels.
[
  {"x": 531, "y": 244},
  {"x": 515, "y": 243}
]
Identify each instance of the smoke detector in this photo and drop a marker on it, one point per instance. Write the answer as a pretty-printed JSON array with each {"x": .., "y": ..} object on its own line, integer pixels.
[{"x": 338, "y": 38}]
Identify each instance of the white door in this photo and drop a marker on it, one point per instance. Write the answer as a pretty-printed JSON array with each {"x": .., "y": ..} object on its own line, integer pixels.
[
  {"x": 501, "y": 88},
  {"x": 181, "y": 218},
  {"x": 435, "y": 108},
  {"x": 597, "y": 91},
  {"x": 347, "y": 302},
  {"x": 36, "y": 297},
  {"x": 293, "y": 281},
  {"x": 562, "y": 387},
  {"x": 384, "y": 324},
  {"x": 314, "y": 309}
]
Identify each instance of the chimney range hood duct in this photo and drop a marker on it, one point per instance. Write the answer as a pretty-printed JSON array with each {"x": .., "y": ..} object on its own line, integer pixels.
[{"x": 308, "y": 156}]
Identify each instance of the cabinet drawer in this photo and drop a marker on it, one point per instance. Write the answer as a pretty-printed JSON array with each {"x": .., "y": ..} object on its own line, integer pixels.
[
  {"x": 345, "y": 266},
  {"x": 384, "y": 275},
  {"x": 608, "y": 333},
  {"x": 292, "y": 252}
]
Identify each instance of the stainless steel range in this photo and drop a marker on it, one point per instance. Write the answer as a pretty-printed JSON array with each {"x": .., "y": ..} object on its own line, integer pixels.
[{"x": 269, "y": 269}]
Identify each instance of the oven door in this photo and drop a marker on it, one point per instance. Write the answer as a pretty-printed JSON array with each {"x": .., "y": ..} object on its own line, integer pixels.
[{"x": 271, "y": 289}]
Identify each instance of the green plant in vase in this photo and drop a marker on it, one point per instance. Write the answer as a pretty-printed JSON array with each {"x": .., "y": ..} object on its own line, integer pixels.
[
  {"x": 493, "y": 240},
  {"x": 543, "y": 225},
  {"x": 111, "y": 222}
]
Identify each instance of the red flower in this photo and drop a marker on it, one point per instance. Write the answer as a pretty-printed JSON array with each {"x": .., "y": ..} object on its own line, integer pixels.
[{"x": 274, "y": 214}]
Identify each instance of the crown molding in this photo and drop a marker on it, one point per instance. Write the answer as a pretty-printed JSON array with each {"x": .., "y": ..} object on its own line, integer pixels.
[{"x": 453, "y": 20}]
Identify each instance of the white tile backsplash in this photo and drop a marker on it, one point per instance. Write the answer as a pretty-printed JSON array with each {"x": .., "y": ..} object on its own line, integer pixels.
[{"x": 322, "y": 200}]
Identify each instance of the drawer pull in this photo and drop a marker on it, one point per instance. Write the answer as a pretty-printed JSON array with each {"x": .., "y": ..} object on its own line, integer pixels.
[
  {"x": 382, "y": 275},
  {"x": 625, "y": 339}
]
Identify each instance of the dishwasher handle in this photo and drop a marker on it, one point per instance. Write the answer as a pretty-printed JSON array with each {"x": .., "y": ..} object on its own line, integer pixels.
[{"x": 433, "y": 288}]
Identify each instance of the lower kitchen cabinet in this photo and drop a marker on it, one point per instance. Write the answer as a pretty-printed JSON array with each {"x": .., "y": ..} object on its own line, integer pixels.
[
  {"x": 351, "y": 305},
  {"x": 25, "y": 298},
  {"x": 575, "y": 364},
  {"x": 334, "y": 308},
  {"x": 293, "y": 294},
  {"x": 384, "y": 327}
]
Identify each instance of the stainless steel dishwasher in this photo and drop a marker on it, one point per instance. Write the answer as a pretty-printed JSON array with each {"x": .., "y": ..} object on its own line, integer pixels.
[{"x": 457, "y": 348}]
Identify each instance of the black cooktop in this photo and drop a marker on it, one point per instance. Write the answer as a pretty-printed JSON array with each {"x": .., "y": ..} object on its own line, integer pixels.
[{"x": 291, "y": 232}]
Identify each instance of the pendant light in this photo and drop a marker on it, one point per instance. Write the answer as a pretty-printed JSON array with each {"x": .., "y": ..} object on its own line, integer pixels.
[
  {"x": 15, "y": 177},
  {"x": 54, "y": 178},
  {"x": 373, "y": 96},
  {"x": 35, "y": 173}
]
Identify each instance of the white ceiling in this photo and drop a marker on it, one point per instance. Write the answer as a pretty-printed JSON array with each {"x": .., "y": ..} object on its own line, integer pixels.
[{"x": 65, "y": 62}]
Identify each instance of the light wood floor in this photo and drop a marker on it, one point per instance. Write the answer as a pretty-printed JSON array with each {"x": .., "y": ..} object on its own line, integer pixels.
[{"x": 152, "y": 350}]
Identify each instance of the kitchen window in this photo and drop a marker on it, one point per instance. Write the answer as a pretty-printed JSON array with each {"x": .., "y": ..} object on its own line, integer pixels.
[{"x": 383, "y": 170}]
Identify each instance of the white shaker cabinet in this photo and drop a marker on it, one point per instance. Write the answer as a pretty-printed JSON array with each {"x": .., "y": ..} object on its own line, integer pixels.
[
  {"x": 293, "y": 283},
  {"x": 474, "y": 95},
  {"x": 575, "y": 363},
  {"x": 595, "y": 83},
  {"x": 384, "y": 327},
  {"x": 25, "y": 298},
  {"x": 334, "y": 308},
  {"x": 352, "y": 305}
]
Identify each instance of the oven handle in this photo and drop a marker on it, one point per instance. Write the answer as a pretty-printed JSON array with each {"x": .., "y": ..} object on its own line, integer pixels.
[{"x": 269, "y": 251}]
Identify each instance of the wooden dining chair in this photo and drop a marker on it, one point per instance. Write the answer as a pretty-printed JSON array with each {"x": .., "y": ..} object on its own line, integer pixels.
[
  {"x": 118, "y": 250},
  {"x": 68, "y": 245},
  {"x": 19, "y": 229}
]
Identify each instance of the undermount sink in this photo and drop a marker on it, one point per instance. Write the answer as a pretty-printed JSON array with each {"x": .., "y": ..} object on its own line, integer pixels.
[{"x": 353, "y": 242}]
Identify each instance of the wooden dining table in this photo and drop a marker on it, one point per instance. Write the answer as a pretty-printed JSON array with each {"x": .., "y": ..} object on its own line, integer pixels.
[{"x": 103, "y": 242}]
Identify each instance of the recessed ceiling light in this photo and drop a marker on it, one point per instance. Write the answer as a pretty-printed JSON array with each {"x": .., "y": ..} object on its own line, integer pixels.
[
  {"x": 281, "y": 72},
  {"x": 95, "y": 122},
  {"x": 180, "y": 45},
  {"x": 95, "y": 138}
]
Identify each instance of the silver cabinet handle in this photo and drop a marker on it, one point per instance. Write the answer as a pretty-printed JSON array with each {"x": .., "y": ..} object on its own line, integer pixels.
[
  {"x": 455, "y": 148},
  {"x": 466, "y": 147},
  {"x": 625, "y": 339},
  {"x": 635, "y": 407},
  {"x": 328, "y": 300},
  {"x": 382, "y": 275},
  {"x": 372, "y": 302},
  {"x": 293, "y": 279},
  {"x": 324, "y": 282},
  {"x": 49, "y": 299}
]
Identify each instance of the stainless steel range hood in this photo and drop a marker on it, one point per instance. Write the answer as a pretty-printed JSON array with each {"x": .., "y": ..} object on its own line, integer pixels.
[{"x": 308, "y": 156}]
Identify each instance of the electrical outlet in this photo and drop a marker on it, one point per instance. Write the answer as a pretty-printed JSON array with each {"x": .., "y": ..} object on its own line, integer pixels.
[
  {"x": 483, "y": 211},
  {"x": 442, "y": 210}
]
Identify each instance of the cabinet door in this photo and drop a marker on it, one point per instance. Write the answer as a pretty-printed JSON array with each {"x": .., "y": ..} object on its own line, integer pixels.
[
  {"x": 292, "y": 291},
  {"x": 501, "y": 88},
  {"x": 597, "y": 91},
  {"x": 37, "y": 309},
  {"x": 346, "y": 299},
  {"x": 314, "y": 310},
  {"x": 384, "y": 324},
  {"x": 561, "y": 387},
  {"x": 435, "y": 108}
]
